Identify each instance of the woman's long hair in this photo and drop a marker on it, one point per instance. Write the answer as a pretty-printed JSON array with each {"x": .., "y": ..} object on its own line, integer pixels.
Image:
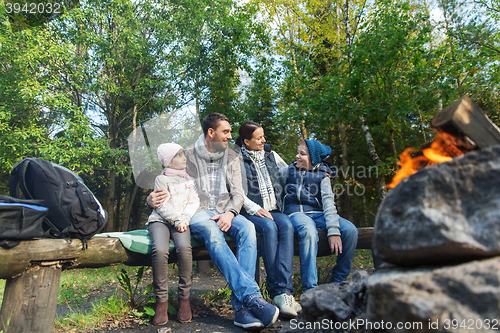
[{"x": 246, "y": 132}]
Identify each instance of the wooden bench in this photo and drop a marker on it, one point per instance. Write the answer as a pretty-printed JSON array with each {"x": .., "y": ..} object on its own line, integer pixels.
[{"x": 32, "y": 270}]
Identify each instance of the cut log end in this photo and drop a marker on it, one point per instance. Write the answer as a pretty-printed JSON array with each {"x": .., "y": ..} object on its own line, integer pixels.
[{"x": 465, "y": 120}]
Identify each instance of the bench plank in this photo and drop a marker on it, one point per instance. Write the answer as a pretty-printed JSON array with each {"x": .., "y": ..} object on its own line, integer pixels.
[{"x": 103, "y": 252}]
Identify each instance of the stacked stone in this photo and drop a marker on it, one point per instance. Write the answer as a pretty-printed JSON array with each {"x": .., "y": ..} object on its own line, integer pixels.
[
  {"x": 440, "y": 228},
  {"x": 438, "y": 232}
]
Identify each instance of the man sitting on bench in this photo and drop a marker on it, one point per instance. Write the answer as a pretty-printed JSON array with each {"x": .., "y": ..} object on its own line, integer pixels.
[{"x": 217, "y": 171}]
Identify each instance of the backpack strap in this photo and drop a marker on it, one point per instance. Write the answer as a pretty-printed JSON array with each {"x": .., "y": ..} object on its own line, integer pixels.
[
  {"x": 9, "y": 243},
  {"x": 83, "y": 202},
  {"x": 16, "y": 176}
]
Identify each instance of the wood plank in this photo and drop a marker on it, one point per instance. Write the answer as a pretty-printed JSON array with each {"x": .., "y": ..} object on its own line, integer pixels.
[{"x": 468, "y": 119}]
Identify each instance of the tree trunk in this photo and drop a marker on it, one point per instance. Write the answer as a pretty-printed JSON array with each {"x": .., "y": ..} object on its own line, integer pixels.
[
  {"x": 393, "y": 146},
  {"x": 139, "y": 211},
  {"x": 348, "y": 33},
  {"x": 291, "y": 34},
  {"x": 345, "y": 200},
  {"x": 129, "y": 201},
  {"x": 382, "y": 191},
  {"x": 110, "y": 226},
  {"x": 118, "y": 204},
  {"x": 365, "y": 212}
]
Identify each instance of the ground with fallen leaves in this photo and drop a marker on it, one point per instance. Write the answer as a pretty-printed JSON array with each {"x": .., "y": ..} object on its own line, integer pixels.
[{"x": 208, "y": 316}]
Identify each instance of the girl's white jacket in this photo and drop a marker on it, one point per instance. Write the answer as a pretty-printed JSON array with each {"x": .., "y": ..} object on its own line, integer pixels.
[{"x": 181, "y": 203}]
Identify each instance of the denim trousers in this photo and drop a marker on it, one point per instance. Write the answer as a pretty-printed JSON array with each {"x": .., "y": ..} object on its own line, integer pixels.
[
  {"x": 306, "y": 226},
  {"x": 276, "y": 246},
  {"x": 239, "y": 270},
  {"x": 160, "y": 233}
]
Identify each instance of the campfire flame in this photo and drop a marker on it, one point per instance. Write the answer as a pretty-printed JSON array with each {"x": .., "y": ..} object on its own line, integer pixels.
[{"x": 442, "y": 149}]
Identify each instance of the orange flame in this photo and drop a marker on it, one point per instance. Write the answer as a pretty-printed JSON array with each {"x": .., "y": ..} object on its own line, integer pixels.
[{"x": 442, "y": 149}]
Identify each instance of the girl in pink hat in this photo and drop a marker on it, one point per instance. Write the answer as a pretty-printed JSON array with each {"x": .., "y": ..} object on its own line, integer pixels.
[{"x": 171, "y": 220}]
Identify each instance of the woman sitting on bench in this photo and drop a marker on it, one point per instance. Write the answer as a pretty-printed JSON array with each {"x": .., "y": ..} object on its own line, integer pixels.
[{"x": 262, "y": 207}]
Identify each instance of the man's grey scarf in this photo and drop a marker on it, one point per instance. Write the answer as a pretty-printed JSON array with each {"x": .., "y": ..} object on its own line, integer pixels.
[
  {"x": 266, "y": 188},
  {"x": 202, "y": 155}
]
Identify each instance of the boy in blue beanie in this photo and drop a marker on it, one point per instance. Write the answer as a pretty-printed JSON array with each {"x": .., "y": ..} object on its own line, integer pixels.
[{"x": 309, "y": 201}]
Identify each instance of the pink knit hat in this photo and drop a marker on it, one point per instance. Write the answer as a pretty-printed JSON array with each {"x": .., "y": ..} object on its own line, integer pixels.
[{"x": 167, "y": 151}]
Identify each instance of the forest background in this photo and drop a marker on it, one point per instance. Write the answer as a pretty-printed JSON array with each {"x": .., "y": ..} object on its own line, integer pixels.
[{"x": 365, "y": 77}]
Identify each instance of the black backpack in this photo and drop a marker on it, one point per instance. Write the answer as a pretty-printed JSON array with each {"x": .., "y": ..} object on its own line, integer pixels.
[
  {"x": 20, "y": 220},
  {"x": 74, "y": 211}
]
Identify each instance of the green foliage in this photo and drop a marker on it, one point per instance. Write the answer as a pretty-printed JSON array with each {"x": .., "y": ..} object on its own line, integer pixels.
[
  {"x": 264, "y": 289},
  {"x": 72, "y": 90},
  {"x": 221, "y": 294},
  {"x": 136, "y": 298}
]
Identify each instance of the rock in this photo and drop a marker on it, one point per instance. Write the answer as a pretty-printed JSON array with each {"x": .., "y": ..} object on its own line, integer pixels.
[
  {"x": 452, "y": 299},
  {"x": 329, "y": 305},
  {"x": 446, "y": 213}
]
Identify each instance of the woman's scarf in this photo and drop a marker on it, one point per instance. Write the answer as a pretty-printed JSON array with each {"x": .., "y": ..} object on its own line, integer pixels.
[{"x": 266, "y": 187}]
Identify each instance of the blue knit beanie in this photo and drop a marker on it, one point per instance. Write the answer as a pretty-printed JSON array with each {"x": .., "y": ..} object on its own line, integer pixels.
[{"x": 317, "y": 151}]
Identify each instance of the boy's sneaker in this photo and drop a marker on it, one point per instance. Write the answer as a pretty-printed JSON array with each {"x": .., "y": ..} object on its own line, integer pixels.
[
  {"x": 284, "y": 303},
  {"x": 246, "y": 320},
  {"x": 266, "y": 312}
]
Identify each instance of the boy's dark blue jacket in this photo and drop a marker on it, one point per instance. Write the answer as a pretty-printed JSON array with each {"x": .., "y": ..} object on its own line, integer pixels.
[{"x": 303, "y": 188}]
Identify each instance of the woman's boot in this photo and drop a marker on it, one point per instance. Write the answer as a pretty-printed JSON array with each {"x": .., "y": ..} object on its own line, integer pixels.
[
  {"x": 184, "y": 315},
  {"x": 161, "y": 315}
]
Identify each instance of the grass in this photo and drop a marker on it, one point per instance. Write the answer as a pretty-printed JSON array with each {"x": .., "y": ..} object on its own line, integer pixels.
[
  {"x": 110, "y": 311},
  {"x": 106, "y": 303},
  {"x": 95, "y": 299},
  {"x": 78, "y": 285}
]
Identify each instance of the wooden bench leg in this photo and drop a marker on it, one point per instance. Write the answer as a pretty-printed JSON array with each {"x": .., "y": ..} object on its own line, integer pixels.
[
  {"x": 257, "y": 271},
  {"x": 203, "y": 266},
  {"x": 30, "y": 300}
]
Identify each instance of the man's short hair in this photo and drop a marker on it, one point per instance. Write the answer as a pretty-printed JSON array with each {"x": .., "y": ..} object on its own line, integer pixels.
[{"x": 212, "y": 121}]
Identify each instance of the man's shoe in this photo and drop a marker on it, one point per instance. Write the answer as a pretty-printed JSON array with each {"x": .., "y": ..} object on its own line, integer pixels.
[
  {"x": 184, "y": 315},
  {"x": 284, "y": 303},
  {"x": 161, "y": 315},
  {"x": 296, "y": 306},
  {"x": 246, "y": 320},
  {"x": 264, "y": 311}
]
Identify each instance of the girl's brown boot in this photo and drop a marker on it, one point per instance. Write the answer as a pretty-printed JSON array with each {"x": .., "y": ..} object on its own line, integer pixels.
[
  {"x": 184, "y": 315},
  {"x": 161, "y": 315}
]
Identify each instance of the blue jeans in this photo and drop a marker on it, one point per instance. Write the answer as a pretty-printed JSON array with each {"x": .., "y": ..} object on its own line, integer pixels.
[
  {"x": 277, "y": 250},
  {"x": 239, "y": 270},
  {"x": 306, "y": 225}
]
